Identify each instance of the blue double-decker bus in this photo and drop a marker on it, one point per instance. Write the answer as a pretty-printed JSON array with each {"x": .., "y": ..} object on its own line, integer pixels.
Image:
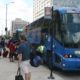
[{"x": 66, "y": 38}]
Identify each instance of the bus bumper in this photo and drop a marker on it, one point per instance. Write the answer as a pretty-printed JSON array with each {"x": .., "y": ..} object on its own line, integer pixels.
[{"x": 71, "y": 64}]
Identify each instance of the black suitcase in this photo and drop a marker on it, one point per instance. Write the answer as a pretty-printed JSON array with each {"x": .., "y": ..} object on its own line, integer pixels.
[{"x": 19, "y": 76}]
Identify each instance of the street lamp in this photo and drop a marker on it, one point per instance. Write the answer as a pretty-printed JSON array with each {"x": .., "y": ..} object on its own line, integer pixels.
[
  {"x": 6, "y": 16},
  {"x": 51, "y": 75}
]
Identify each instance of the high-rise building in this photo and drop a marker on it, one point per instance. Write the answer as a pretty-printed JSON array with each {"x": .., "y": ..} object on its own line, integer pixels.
[
  {"x": 67, "y": 3},
  {"x": 18, "y": 24},
  {"x": 38, "y": 7}
]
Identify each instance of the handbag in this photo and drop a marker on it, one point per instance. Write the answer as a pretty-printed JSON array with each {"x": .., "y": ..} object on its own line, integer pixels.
[{"x": 19, "y": 76}]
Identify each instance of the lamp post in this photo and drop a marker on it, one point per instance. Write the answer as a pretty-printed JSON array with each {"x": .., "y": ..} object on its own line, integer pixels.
[
  {"x": 6, "y": 28},
  {"x": 51, "y": 75}
]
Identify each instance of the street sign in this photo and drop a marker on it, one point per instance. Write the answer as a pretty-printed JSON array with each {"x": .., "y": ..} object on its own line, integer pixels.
[{"x": 48, "y": 13}]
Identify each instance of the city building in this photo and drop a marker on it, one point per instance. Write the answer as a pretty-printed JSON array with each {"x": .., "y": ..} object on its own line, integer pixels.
[
  {"x": 39, "y": 5},
  {"x": 18, "y": 24},
  {"x": 67, "y": 3},
  {"x": 25, "y": 30}
]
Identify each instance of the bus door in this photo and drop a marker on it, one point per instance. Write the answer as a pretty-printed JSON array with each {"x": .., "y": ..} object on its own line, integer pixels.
[{"x": 57, "y": 36}]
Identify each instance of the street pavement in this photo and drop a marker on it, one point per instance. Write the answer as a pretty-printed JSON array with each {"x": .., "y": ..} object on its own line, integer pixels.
[{"x": 8, "y": 70}]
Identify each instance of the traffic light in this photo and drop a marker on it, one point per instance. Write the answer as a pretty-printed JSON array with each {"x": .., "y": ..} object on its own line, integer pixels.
[{"x": 6, "y": 29}]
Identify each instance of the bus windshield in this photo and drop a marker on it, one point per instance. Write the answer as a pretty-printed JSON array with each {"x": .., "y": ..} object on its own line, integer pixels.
[{"x": 72, "y": 27}]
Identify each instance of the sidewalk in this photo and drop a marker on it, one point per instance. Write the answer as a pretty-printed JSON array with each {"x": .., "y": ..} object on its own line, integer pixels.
[{"x": 8, "y": 71}]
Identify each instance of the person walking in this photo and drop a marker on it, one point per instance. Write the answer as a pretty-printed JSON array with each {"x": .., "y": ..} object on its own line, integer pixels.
[
  {"x": 24, "y": 51},
  {"x": 12, "y": 51}
]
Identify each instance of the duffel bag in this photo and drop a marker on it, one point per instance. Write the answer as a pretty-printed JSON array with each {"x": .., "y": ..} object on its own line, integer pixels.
[{"x": 19, "y": 76}]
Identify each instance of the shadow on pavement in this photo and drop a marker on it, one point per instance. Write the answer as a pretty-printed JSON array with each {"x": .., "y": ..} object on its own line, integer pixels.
[{"x": 66, "y": 73}]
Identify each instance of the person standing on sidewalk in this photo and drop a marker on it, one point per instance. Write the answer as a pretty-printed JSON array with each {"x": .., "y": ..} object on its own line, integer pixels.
[
  {"x": 24, "y": 51},
  {"x": 12, "y": 51}
]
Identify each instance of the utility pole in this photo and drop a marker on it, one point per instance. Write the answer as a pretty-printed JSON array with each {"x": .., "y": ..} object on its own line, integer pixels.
[
  {"x": 6, "y": 19},
  {"x": 6, "y": 28},
  {"x": 51, "y": 76},
  {"x": 49, "y": 15}
]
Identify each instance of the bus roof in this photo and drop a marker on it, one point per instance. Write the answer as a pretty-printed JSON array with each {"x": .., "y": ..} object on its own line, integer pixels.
[
  {"x": 36, "y": 20},
  {"x": 60, "y": 10},
  {"x": 68, "y": 10}
]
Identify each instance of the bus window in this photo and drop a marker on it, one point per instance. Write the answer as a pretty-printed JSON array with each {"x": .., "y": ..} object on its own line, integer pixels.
[
  {"x": 42, "y": 37},
  {"x": 58, "y": 35}
]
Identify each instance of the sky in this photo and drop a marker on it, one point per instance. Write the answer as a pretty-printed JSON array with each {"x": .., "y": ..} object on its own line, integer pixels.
[{"x": 19, "y": 9}]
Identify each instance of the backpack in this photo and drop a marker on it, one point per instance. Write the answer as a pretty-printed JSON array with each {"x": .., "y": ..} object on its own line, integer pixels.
[{"x": 37, "y": 61}]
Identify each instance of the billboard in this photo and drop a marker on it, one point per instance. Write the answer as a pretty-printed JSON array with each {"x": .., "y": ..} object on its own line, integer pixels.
[{"x": 48, "y": 13}]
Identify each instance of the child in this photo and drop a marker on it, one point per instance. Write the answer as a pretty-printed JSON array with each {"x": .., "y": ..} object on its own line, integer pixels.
[{"x": 5, "y": 52}]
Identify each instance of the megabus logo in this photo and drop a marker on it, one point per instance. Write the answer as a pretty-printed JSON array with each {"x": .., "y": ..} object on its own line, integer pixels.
[{"x": 77, "y": 52}]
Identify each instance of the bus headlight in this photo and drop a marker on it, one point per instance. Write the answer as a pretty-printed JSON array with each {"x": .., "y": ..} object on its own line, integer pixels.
[
  {"x": 66, "y": 56},
  {"x": 70, "y": 56}
]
